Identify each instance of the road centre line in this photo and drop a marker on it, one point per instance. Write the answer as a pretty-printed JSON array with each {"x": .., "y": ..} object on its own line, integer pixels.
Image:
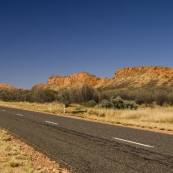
[
  {"x": 20, "y": 115},
  {"x": 134, "y": 142},
  {"x": 51, "y": 122}
]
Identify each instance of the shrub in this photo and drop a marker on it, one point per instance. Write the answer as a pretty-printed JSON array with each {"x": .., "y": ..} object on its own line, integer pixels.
[
  {"x": 105, "y": 104},
  {"x": 161, "y": 97},
  {"x": 118, "y": 103},
  {"x": 130, "y": 105},
  {"x": 170, "y": 98},
  {"x": 91, "y": 103},
  {"x": 67, "y": 103}
]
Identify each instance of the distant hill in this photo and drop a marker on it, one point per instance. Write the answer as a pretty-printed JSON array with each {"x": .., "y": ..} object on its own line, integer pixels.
[
  {"x": 4, "y": 86},
  {"x": 72, "y": 81},
  {"x": 149, "y": 76}
]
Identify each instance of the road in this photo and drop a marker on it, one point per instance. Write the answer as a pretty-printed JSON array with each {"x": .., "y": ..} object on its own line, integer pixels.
[{"x": 91, "y": 147}]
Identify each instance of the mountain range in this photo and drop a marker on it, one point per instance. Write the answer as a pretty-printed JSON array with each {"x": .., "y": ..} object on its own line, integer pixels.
[{"x": 123, "y": 78}]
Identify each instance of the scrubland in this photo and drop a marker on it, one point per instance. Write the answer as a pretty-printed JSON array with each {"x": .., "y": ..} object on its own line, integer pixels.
[
  {"x": 18, "y": 157},
  {"x": 155, "y": 117},
  {"x": 12, "y": 159}
]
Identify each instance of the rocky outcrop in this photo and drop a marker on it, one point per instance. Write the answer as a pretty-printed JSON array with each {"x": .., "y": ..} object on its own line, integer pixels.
[
  {"x": 81, "y": 77},
  {"x": 150, "y": 70},
  {"x": 123, "y": 78},
  {"x": 72, "y": 81},
  {"x": 4, "y": 86},
  {"x": 44, "y": 86},
  {"x": 141, "y": 77}
]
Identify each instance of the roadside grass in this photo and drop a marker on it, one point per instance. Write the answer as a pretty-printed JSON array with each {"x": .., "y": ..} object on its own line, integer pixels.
[
  {"x": 18, "y": 157},
  {"x": 156, "y": 117},
  {"x": 12, "y": 159}
]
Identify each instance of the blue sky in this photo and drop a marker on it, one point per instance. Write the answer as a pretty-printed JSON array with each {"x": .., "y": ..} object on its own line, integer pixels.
[{"x": 41, "y": 38}]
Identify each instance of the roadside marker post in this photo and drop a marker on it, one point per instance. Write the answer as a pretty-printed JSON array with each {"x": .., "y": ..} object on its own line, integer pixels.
[
  {"x": 63, "y": 109},
  {"x": 50, "y": 108}
]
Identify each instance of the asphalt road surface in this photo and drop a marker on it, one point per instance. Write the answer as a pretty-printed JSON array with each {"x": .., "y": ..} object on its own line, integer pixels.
[{"x": 90, "y": 147}]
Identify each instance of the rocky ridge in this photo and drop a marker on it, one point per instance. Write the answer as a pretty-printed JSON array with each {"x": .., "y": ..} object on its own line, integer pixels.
[
  {"x": 72, "y": 81},
  {"x": 123, "y": 78},
  {"x": 4, "y": 86},
  {"x": 141, "y": 77}
]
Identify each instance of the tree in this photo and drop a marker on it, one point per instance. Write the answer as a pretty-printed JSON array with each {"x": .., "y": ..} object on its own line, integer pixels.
[
  {"x": 161, "y": 97},
  {"x": 87, "y": 92}
]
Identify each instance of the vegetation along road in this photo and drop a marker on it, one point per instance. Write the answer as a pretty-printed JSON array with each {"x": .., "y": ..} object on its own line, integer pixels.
[{"x": 91, "y": 147}]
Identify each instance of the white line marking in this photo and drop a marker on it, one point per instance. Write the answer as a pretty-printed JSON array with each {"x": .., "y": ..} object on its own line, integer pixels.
[
  {"x": 20, "y": 115},
  {"x": 3, "y": 110},
  {"x": 134, "y": 142},
  {"x": 51, "y": 122}
]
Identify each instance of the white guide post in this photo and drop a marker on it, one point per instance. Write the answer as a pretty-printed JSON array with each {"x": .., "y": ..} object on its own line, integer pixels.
[
  {"x": 63, "y": 109},
  {"x": 50, "y": 107}
]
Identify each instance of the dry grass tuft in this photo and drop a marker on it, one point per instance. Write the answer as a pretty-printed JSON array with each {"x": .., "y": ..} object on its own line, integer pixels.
[
  {"x": 14, "y": 160},
  {"x": 11, "y": 158},
  {"x": 160, "y": 117}
]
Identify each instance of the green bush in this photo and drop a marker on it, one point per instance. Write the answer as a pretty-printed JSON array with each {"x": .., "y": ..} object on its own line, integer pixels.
[
  {"x": 130, "y": 105},
  {"x": 105, "y": 104},
  {"x": 118, "y": 103},
  {"x": 84, "y": 103},
  {"x": 91, "y": 103}
]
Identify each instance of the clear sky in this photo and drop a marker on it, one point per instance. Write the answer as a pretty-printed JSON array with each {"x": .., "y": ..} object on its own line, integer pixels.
[{"x": 41, "y": 38}]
